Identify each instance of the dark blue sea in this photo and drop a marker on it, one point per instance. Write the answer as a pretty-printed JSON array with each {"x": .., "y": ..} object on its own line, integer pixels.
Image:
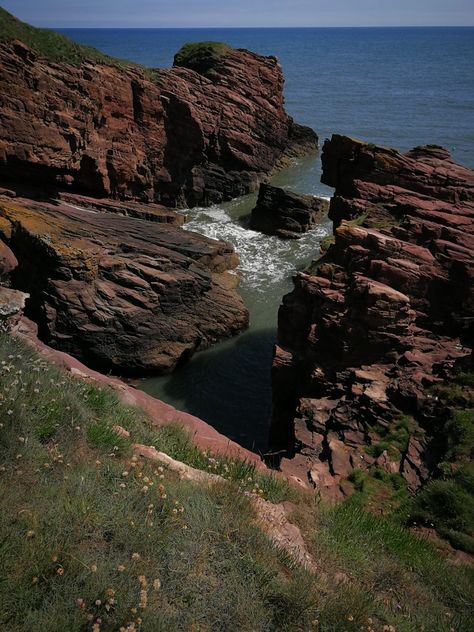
[
  {"x": 395, "y": 86},
  {"x": 398, "y": 87}
]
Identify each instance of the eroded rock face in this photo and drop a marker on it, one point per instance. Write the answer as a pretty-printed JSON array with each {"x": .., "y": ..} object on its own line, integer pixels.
[
  {"x": 286, "y": 214},
  {"x": 122, "y": 293},
  {"x": 385, "y": 314},
  {"x": 176, "y": 137}
]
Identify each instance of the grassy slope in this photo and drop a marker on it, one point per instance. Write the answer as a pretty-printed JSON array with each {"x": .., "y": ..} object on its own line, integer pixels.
[
  {"x": 82, "y": 543},
  {"x": 49, "y": 44}
]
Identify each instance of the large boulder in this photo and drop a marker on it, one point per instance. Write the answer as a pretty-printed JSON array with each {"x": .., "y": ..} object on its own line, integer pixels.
[
  {"x": 119, "y": 292},
  {"x": 286, "y": 214}
]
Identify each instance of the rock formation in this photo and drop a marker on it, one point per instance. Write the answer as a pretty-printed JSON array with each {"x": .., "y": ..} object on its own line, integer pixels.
[
  {"x": 284, "y": 213},
  {"x": 120, "y": 292},
  {"x": 195, "y": 134},
  {"x": 386, "y": 313}
]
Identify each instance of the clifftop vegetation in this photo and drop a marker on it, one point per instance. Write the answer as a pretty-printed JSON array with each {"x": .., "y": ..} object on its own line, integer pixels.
[{"x": 95, "y": 538}]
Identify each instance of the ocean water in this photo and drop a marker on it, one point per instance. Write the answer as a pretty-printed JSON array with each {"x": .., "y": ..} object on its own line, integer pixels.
[{"x": 398, "y": 87}]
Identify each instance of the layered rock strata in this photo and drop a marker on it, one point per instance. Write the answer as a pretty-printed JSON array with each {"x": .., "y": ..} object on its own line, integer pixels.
[
  {"x": 286, "y": 214},
  {"x": 190, "y": 135},
  {"x": 122, "y": 293},
  {"x": 385, "y": 314}
]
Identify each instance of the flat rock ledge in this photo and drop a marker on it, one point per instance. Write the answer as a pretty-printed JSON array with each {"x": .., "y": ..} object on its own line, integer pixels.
[{"x": 118, "y": 292}]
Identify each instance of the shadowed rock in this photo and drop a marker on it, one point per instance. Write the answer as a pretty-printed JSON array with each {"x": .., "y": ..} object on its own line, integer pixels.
[
  {"x": 387, "y": 312},
  {"x": 286, "y": 214},
  {"x": 122, "y": 293},
  {"x": 195, "y": 134}
]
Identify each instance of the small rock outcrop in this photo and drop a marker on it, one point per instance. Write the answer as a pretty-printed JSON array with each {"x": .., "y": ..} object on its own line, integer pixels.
[
  {"x": 286, "y": 214},
  {"x": 195, "y": 134},
  {"x": 121, "y": 293},
  {"x": 384, "y": 315}
]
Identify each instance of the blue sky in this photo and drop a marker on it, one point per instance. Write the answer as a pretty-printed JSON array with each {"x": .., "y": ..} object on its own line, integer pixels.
[{"x": 195, "y": 13}]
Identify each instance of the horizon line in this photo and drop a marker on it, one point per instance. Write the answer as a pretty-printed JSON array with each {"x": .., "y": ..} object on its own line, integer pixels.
[{"x": 381, "y": 26}]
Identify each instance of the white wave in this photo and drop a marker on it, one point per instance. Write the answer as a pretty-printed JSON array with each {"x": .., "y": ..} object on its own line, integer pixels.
[{"x": 263, "y": 259}]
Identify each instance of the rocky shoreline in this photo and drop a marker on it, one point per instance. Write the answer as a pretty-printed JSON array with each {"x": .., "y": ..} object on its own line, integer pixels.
[{"x": 383, "y": 316}]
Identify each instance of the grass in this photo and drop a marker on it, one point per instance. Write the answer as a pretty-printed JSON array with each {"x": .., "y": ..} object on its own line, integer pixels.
[
  {"x": 58, "y": 48},
  {"x": 48, "y": 43},
  {"x": 386, "y": 574},
  {"x": 95, "y": 539},
  {"x": 200, "y": 56},
  {"x": 87, "y": 529}
]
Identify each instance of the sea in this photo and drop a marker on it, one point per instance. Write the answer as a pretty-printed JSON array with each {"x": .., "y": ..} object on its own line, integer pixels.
[{"x": 398, "y": 87}]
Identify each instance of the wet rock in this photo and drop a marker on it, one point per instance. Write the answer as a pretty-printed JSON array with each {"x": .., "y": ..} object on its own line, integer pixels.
[{"x": 286, "y": 214}]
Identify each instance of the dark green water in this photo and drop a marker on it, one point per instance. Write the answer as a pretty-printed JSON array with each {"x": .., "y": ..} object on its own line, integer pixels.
[{"x": 229, "y": 385}]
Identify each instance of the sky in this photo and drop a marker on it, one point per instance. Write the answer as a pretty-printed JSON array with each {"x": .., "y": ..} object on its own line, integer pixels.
[{"x": 253, "y": 13}]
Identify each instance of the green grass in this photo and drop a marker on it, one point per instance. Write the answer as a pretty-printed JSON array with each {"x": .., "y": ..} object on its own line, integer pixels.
[
  {"x": 388, "y": 574},
  {"x": 56, "y": 47},
  {"x": 48, "y": 43},
  {"x": 83, "y": 519},
  {"x": 201, "y": 56},
  {"x": 86, "y": 529}
]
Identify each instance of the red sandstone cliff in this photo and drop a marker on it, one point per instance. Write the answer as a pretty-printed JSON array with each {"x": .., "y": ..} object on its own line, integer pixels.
[
  {"x": 385, "y": 314},
  {"x": 179, "y": 137}
]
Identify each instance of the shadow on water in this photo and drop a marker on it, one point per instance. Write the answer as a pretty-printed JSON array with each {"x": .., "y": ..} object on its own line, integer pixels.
[{"x": 228, "y": 386}]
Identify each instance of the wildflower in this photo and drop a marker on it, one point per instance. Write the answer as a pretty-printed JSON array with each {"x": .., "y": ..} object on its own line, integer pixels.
[
  {"x": 350, "y": 618},
  {"x": 9, "y": 412},
  {"x": 97, "y": 462},
  {"x": 156, "y": 584},
  {"x": 174, "y": 510},
  {"x": 142, "y": 580},
  {"x": 136, "y": 556},
  {"x": 80, "y": 603},
  {"x": 110, "y": 592},
  {"x": 122, "y": 485},
  {"x": 34, "y": 580},
  {"x": 145, "y": 488},
  {"x": 54, "y": 558},
  {"x": 98, "y": 602},
  {"x": 143, "y": 599},
  {"x": 120, "y": 568},
  {"x": 21, "y": 439},
  {"x": 93, "y": 568},
  {"x": 60, "y": 571},
  {"x": 30, "y": 534},
  {"x": 133, "y": 610},
  {"x": 125, "y": 473}
]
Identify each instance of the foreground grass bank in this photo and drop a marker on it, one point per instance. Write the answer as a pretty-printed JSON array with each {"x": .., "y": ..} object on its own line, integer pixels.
[{"x": 92, "y": 538}]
